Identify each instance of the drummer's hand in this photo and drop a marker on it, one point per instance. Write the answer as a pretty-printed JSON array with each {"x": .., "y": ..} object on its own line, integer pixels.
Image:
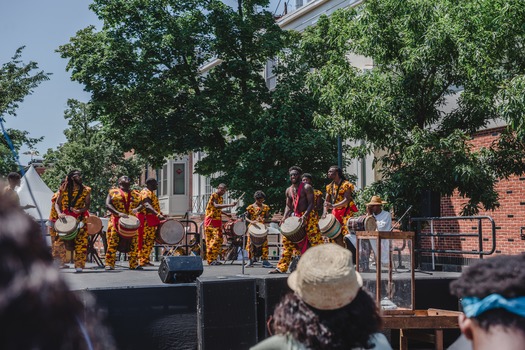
[
  {"x": 76, "y": 211},
  {"x": 122, "y": 215},
  {"x": 161, "y": 217},
  {"x": 61, "y": 215},
  {"x": 324, "y": 215},
  {"x": 234, "y": 204},
  {"x": 302, "y": 220},
  {"x": 328, "y": 205},
  {"x": 135, "y": 211}
]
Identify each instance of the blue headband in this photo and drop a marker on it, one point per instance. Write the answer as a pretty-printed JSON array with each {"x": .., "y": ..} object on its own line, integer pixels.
[{"x": 473, "y": 306}]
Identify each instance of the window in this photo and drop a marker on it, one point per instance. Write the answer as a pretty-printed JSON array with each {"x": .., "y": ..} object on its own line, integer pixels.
[
  {"x": 271, "y": 78},
  {"x": 179, "y": 178},
  {"x": 164, "y": 181}
]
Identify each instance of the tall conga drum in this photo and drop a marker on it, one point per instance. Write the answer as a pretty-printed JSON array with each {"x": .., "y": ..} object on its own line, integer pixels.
[
  {"x": 170, "y": 232},
  {"x": 293, "y": 229},
  {"x": 258, "y": 233},
  {"x": 330, "y": 226},
  {"x": 67, "y": 230},
  {"x": 127, "y": 229}
]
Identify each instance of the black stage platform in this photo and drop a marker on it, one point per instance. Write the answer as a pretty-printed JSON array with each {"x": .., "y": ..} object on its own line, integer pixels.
[{"x": 224, "y": 309}]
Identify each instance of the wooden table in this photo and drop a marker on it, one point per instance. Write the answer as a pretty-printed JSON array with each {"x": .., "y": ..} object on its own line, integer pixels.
[{"x": 407, "y": 321}]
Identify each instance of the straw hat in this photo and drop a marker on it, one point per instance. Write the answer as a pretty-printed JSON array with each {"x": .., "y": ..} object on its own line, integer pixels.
[
  {"x": 325, "y": 277},
  {"x": 376, "y": 200}
]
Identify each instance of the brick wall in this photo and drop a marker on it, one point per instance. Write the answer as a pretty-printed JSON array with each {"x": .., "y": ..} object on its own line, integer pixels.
[{"x": 509, "y": 218}]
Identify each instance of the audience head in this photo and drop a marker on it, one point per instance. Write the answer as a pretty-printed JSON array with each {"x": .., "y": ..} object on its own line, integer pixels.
[
  {"x": 328, "y": 309},
  {"x": 492, "y": 295},
  {"x": 37, "y": 310}
]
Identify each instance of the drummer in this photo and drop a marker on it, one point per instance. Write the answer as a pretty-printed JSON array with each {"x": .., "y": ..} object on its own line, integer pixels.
[
  {"x": 58, "y": 248},
  {"x": 300, "y": 203},
  {"x": 150, "y": 217},
  {"x": 258, "y": 212},
  {"x": 384, "y": 223},
  {"x": 74, "y": 199},
  {"x": 121, "y": 202},
  {"x": 318, "y": 195},
  {"x": 339, "y": 200}
]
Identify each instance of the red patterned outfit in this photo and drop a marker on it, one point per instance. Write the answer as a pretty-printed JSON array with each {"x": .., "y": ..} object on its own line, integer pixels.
[
  {"x": 259, "y": 214},
  {"x": 149, "y": 225},
  {"x": 213, "y": 228},
  {"x": 123, "y": 202}
]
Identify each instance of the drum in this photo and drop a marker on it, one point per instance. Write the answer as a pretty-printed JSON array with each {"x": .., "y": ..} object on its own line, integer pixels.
[
  {"x": 127, "y": 227},
  {"x": 234, "y": 228},
  {"x": 170, "y": 232},
  {"x": 330, "y": 226},
  {"x": 293, "y": 230},
  {"x": 94, "y": 225},
  {"x": 239, "y": 228},
  {"x": 258, "y": 233},
  {"x": 67, "y": 227},
  {"x": 362, "y": 223}
]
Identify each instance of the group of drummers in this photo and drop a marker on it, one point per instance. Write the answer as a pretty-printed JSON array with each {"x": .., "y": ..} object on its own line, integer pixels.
[
  {"x": 306, "y": 222},
  {"x": 132, "y": 225}
]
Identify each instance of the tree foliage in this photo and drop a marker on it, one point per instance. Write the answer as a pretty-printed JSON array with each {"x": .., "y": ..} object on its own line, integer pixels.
[
  {"x": 17, "y": 80},
  {"x": 91, "y": 150},
  {"x": 442, "y": 71},
  {"x": 143, "y": 69}
]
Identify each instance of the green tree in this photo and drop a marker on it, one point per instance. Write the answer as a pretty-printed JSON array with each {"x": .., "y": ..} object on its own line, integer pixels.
[
  {"x": 91, "y": 150},
  {"x": 17, "y": 80},
  {"x": 442, "y": 70},
  {"x": 143, "y": 70}
]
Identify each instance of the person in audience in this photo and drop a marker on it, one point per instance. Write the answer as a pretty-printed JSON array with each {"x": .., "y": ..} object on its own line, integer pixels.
[
  {"x": 328, "y": 308},
  {"x": 492, "y": 296},
  {"x": 37, "y": 310}
]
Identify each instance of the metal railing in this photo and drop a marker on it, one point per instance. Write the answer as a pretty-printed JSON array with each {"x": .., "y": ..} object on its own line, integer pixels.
[{"x": 479, "y": 235}]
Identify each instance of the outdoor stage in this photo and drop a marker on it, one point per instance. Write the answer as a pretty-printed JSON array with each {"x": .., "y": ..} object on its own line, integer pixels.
[{"x": 223, "y": 309}]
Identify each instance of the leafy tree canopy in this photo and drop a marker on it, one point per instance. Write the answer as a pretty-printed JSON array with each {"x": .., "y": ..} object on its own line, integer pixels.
[
  {"x": 442, "y": 70},
  {"x": 17, "y": 80},
  {"x": 91, "y": 150},
  {"x": 144, "y": 72}
]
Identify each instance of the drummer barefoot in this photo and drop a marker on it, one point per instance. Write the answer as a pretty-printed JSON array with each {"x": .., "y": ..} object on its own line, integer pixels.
[{"x": 275, "y": 271}]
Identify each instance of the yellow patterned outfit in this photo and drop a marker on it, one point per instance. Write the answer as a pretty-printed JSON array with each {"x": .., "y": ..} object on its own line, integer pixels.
[
  {"x": 259, "y": 214},
  {"x": 151, "y": 223},
  {"x": 78, "y": 201},
  {"x": 290, "y": 249},
  {"x": 213, "y": 228},
  {"x": 58, "y": 249},
  {"x": 124, "y": 202},
  {"x": 337, "y": 194}
]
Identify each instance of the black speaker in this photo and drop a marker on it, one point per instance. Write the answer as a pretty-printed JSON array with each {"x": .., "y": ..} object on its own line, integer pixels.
[
  {"x": 180, "y": 269},
  {"x": 226, "y": 313},
  {"x": 430, "y": 204},
  {"x": 270, "y": 290}
]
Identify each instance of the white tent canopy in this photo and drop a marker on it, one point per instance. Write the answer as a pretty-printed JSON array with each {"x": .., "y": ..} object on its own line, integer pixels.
[{"x": 33, "y": 183}]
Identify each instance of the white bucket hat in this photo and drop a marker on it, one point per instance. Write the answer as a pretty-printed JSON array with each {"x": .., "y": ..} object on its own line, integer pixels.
[{"x": 325, "y": 277}]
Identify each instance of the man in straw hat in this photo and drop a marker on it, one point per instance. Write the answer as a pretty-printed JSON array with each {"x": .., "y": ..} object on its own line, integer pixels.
[
  {"x": 328, "y": 308},
  {"x": 384, "y": 223}
]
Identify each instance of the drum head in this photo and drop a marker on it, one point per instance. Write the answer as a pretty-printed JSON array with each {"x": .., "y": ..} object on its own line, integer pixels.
[
  {"x": 258, "y": 229},
  {"x": 94, "y": 225},
  {"x": 171, "y": 232},
  {"x": 131, "y": 222},
  {"x": 291, "y": 224},
  {"x": 370, "y": 223},
  {"x": 326, "y": 222},
  {"x": 66, "y": 225},
  {"x": 239, "y": 228}
]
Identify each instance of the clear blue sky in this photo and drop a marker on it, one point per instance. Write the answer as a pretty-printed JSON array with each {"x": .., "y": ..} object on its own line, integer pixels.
[{"x": 42, "y": 26}]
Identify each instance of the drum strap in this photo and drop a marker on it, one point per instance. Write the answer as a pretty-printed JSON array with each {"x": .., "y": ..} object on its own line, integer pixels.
[
  {"x": 127, "y": 200},
  {"x": 296, "y": 199}
]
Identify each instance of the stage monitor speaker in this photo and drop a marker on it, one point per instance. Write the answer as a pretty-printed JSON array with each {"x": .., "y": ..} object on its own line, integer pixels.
[
  {"x": 180, "y": 269},
  {"x": 226, "y": 313},
  {"x": 430, "y": 204}
]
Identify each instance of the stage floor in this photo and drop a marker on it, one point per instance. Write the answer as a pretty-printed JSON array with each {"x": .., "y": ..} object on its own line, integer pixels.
[{"x": 94, "y": 277}]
